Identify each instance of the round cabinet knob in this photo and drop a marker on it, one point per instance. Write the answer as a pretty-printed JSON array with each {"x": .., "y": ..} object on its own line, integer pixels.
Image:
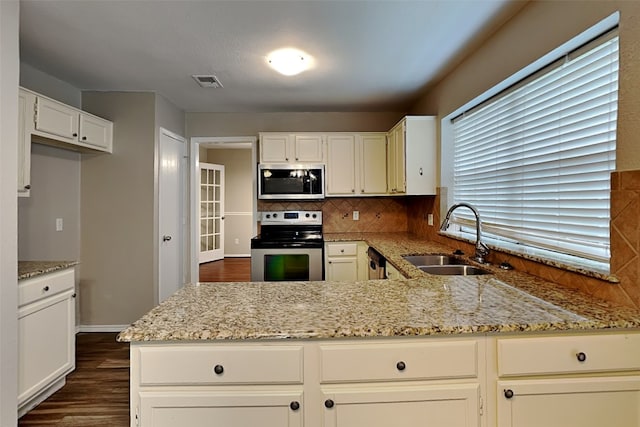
[
  {"x": 75, "y": 134},
  {"x": 218, "y": 369},
  {"x": 508, "y": 393},
  {"x": 74, "y": 295},
  {"x": 306, "y": 215},
  {"x": 294, "y": 405},
  {"x": 46, "y": 288},
  {"x": 27, "y": 187},
  {"x": 342, "y": 250},
  {"x": 401, "y": 366},
  {"x": 275, "y": 215},
  {"x": 581, "y": 357},
  {"x": 314, "y": 216},
  {"x": 84, "y": 138},
  {"x": 329, "y": 403}
]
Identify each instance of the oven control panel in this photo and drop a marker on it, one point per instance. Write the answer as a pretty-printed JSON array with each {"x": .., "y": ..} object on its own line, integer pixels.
[{"x": 291, "y": 217}]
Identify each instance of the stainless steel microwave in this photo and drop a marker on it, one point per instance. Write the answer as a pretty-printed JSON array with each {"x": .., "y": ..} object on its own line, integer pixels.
[{"x": 291, "y": 182}]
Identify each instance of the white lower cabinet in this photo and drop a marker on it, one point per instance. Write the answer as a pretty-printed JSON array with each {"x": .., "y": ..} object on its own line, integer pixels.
[
  {"x": 463, "y": 381},
  {"x": 46, "y": 336},
  {"x": 581, "y": 380},
  {"x": 346, "y": 261}
]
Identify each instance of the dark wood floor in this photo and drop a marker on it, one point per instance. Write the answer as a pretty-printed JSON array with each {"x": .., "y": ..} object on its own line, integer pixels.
[
  {"x": 226, "y": 270},
  {"x": 96, "y": 393}
]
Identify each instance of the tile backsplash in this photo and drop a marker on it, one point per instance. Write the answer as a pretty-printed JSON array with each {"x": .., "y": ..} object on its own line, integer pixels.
[{"x": 377, "y": 214}]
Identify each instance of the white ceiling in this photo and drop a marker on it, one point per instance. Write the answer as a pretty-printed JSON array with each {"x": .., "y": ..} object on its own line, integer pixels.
[{"x": 371, "y": 55}]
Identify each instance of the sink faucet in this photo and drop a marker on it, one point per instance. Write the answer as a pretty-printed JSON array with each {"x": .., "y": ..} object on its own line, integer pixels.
[{"x": 481, "y": 249}]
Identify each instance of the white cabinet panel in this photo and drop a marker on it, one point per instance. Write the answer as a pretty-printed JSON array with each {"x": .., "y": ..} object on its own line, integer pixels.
[
  {"x": 56, "y": 119},
  {"x": 341, "y": 160},
  {"x": 212, "y": 409}
]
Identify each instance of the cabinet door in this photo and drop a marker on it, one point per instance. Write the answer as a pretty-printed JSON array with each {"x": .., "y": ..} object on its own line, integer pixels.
[
  {"x": 341, "y": 174},
  {"x": 392, "y": 162},
  {"x": 46, "y": 343},
  {"x": 220, "y": 409},
  {"x": 307, "y": 148},
  {"x": 454, "y": 405},
  {"x": 399, "y": 147},
  {"x": 373, "y": 164},
  {"x": 57, "y": 119},
  {"x": 342, "y": 269},
  {"x": 26, "y": 104},
  {"x": 274, "y": 148},
  {"x": 583, "y": 402},
  {"x": 96, "y": 132}
]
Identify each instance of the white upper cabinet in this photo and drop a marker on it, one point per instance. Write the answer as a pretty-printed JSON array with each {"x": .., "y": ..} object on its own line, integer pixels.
[
  {"x": 411, "y": 156},
  {"x": 278, "y": 147},
  {"x": 356, "y": 164},
  {"x": 62, "y": 125}
]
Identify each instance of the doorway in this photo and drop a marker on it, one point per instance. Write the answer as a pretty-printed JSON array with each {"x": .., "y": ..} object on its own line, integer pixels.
[{"x": 238, "y": 156}]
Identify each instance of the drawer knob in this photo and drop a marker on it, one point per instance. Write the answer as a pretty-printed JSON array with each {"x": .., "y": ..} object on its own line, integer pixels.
[
  {"x": 401, "y": 366},
  {"x": 294, "y": 405},
  {"x": 218, "y": 369},
  {"x": 75, "y": 134},
  {"x": 46, "y": 288},
  {"x": 329, "y": 403},
  {"x": 73, "y": 295},
  {"x": 581, "y": 357},
  {"x": 508, "y": 393},
  {"x": 27, "y": 187}
]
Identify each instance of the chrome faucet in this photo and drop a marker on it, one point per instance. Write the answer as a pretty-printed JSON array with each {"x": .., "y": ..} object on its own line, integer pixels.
[{"x": 482, "y": 251}]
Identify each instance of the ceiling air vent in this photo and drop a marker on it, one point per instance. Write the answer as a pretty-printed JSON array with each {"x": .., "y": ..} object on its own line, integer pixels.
[{"x": 207, "y": 81}]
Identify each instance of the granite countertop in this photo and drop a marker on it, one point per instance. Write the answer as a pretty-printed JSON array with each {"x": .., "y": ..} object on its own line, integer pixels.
[
  {"x": 28, "y": 269},
  {"x": 505, "y": 301}
]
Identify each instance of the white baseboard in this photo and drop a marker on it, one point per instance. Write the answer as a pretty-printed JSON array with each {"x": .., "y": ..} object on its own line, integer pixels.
[
  {"x": 102, "y": 328},
  {"x": 237, "y": 256}
]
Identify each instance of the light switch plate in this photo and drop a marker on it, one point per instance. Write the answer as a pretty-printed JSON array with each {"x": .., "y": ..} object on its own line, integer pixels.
[
  {"x": 356, "y": 215},
  {"x": 59, "y": 224},
  {"x": 430, "y": 219}
]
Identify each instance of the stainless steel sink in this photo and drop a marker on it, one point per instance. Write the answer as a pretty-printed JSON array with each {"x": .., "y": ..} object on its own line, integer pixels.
[
  {"x": 453, "y": 270},
  {"x": 428, "y": 260}
]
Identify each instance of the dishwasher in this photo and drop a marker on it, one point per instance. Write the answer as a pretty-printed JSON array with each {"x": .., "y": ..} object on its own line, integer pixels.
[{"x": 377, "y": 264}]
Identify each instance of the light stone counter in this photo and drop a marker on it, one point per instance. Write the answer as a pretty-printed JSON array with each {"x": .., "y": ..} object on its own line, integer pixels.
[
  {"x": 505, "y": 301},
  {"x": 27, "y": 269}
]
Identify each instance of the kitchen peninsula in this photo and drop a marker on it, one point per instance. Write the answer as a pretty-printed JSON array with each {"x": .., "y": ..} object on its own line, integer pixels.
[{"x": 459, "y": 351}]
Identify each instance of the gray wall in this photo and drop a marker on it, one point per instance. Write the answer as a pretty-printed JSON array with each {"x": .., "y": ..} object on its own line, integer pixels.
[
  {"x": 117, "y": 210},
  {"x": 55, "y": 193},
  {"x": 9, "y": 69},
  {"x": 250, "y": 124},
  {"x": 45, "y": 84}
]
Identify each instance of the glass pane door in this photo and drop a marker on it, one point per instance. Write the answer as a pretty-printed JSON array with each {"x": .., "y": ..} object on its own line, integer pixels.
[{"x": 211, "y": 212}]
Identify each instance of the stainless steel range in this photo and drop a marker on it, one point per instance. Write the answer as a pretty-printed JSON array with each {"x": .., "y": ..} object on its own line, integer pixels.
[{"x": 289, "y": 247}]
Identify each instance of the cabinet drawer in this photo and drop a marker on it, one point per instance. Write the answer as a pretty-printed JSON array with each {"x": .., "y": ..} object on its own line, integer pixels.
[
  {"x": 396, "y": 362},
  {"x": 229, "y": 365},
  {"x": 572, "y": 354},
  {"x": 33, "y": 289},
  {"x": 338, "y": 249}
]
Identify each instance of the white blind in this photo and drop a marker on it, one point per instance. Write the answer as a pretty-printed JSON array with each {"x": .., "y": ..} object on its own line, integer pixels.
[{"x": 536, "y": 160}]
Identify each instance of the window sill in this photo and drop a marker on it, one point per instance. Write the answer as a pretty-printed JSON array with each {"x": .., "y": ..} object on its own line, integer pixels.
[{"x": 574, "y": 264}]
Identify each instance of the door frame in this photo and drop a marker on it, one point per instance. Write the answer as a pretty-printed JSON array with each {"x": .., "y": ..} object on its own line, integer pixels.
[{"x": 243, "y": 142}]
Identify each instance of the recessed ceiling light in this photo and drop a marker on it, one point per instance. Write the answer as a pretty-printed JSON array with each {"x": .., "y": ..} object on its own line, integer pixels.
[{"x": 289, "y": 61}]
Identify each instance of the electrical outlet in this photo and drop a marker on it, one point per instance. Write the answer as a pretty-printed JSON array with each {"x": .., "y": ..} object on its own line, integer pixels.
[
  {"x": 59, "y": 224},
  {"x": 356, "y": 215},
  {"x": 236, "y": 241},
  {"x": 430, "y": 219}
]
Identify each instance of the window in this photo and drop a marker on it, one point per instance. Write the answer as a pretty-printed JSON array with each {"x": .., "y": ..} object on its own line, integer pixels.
[{"x": 536, "y": 158}]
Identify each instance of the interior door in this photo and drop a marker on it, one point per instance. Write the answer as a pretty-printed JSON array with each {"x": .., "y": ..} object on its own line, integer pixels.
[
  {"x": 211, "y": 212},
  {"x": 170, "y": 214}
]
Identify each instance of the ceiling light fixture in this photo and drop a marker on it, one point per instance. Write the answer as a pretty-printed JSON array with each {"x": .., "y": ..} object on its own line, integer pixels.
[{"x": 289, "y": 61}]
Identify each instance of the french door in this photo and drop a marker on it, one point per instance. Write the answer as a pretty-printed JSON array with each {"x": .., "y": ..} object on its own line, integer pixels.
[{"x": 211, "y": 212}]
